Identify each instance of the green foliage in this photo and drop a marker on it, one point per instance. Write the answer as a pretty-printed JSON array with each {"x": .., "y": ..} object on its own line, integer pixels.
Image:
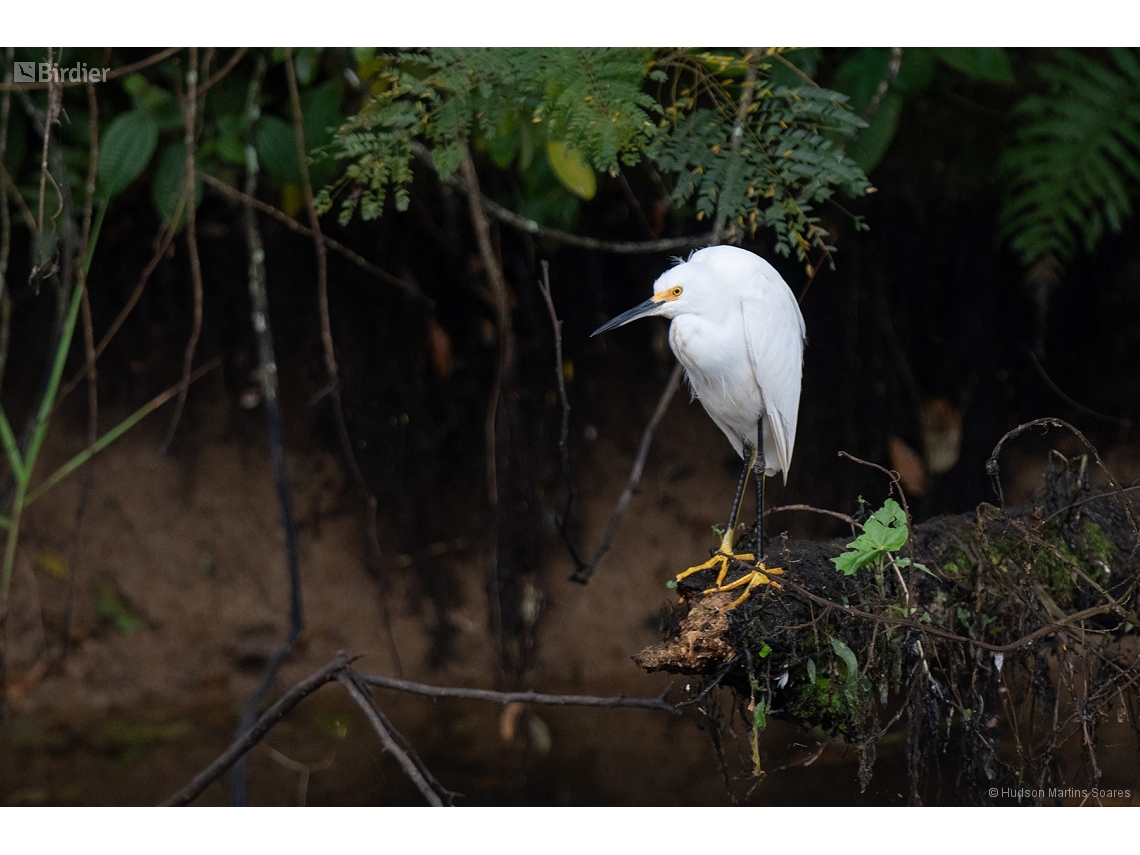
[
  {"x": 884, "y": 532},
  {"x": 277, "y": 149},
  {"x": 592, "y": 111},
  {"x": 166, "y": 186},
  {"x": 980, "y": 63},
  {"x": 847, "y": 657},
  {"x": 782, "y": 168},
  {"x": 126, "y": 148},
  {"x": 590, "y": 100},
  {"x": 1075, "y": 166}
]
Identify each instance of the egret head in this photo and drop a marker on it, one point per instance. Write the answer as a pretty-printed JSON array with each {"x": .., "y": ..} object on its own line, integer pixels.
[{"x": 674, "y": 294}]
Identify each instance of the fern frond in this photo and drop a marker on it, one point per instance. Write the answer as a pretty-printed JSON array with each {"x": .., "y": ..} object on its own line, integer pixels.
[
  {"x": 784, "y": 167},
  {"x": 1074, "y": 169}
]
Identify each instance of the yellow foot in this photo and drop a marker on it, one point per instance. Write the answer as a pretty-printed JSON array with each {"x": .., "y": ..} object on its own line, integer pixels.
[
  {"x": 722, "y": 557},
  {"x": 753, "y": 579}
]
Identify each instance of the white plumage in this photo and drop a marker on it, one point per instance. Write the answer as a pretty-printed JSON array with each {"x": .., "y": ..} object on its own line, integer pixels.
[{"x": 738, "y": 331}]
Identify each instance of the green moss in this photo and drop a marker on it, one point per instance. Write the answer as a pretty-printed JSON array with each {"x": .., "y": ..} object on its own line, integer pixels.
[
  {"x": 828, "y": 702},
  {"x": 1055, "y": 573}
]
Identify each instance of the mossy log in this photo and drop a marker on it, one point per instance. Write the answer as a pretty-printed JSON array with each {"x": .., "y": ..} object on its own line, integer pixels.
[{"x": 1015, "y": 608}]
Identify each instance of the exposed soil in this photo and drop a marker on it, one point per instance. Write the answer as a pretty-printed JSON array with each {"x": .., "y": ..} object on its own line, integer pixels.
[{"x": 192, "y": 547}]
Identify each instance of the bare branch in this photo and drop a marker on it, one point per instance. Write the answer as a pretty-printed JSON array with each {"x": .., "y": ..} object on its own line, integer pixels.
[
  {"x": 1124, "y": 423},
  {"x": 516, "y": 697},
  {"x": 253, "y": 735},
  {"x": 995, "y": 474},
  {"x": 564, "y": 435},
  {"x": 810, "y": 509},
  {"x": 190, "y": 119},
  {"x": 532, "y": 227},
  {"x": 373, "y": 714},
  {"x": 667, "y": 394},
  {"x": 236, "y": 195},
  {"x": 167, "y": 236},
  {"x": 224, "y": 70}
]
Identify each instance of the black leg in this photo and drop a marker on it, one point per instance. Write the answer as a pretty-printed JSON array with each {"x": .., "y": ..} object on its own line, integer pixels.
[
  {"x": 759, "y": 466},
  {"x": 748, "y": 455}
]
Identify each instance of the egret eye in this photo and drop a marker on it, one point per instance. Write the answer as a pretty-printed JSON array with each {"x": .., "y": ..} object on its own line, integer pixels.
[{"x": 676, "y": 292}]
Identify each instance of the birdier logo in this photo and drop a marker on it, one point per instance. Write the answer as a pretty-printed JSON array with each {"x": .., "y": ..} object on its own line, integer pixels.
[{"x": 43, "y": 72}]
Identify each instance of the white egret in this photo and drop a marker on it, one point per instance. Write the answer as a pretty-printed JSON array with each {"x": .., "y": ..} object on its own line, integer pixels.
[{"x": 737, "y": 330}]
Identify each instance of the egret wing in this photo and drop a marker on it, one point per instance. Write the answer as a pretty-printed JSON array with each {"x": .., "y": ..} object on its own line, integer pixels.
[{"x": 774, "y": 333}]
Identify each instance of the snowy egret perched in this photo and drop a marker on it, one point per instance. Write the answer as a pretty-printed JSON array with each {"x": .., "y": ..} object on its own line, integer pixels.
[{"x": 738, "y": 331}]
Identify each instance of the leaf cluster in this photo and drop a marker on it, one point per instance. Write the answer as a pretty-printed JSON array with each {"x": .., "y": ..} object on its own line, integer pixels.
[
  {"x": 596, "y": 105},
  {"x": 786, "y": 163},
  {"x": 1074, "y": 168},
  {"x": 591, "y": 100}
]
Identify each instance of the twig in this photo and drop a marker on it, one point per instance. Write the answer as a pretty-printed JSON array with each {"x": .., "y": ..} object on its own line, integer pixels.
[
  {"x": 5, "y": 214},
  {"x": 532, "y": 227},
  {"x": 318, "y": 243},
  {"x": 84, "y": 241},
  {"x": 892, "y": 71},
  {"x": 503, "y": 359},
  {"x": 252, "y": 735},
  {"x": 167, "y": 235},
  {"x": 111, "y": 75},
  {"x": 930, "y": 629},
  {"x": 189, "y": 118},
  {"x": 809, "y": 508},
  {"x": 426, "y": 690},
  {"x": 748, "y": 86},
  {"x": 410, "y": 768},
  {"x": 340, "y": 669},
  {"x": 667, "y": 394},
  {"x": 994, "y": 472},
  {"x": 283, "y": 218},
  {"x": 10, "y": 187},
  {"x": 794, "y": 68},
  {"x": 268, "y": 363},
  {"x": 1124, "y": 423},
  {"x": 896, "y": 481},
  {"x": 51, "y": 117},
  {"x": 564, "y": 434},
  {"x": 304, "y": 770},
  {"x": 224, "y": 70},
  {"x": 321, "y": 244},
  {"x": 92, "y": 374},
  {"x": 1088, "y": 499},
  {"x": 501, "y": 304}
]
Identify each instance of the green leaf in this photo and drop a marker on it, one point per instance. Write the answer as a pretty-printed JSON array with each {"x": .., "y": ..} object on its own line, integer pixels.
[
  {"x": 321, "y": 110},
  {"x": 277, "y": 149},
  {"x": 764, "y": 651},
  {"x": 874, "y": 140},
  {"x": 166, "y": 186},
  {"x": 850, "y": 663},
  {"x": 811, "y": 670},
  {"x": 885, "y": 531},
  {"x": 990, "y": 64},
  {"x": 125, "y": 150},
  {"x": 574, "y": 173},
  {"x": 306, "y": 64},
  {"x": 916, "y": 72},
  {"x": 860, "y": 75}
]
